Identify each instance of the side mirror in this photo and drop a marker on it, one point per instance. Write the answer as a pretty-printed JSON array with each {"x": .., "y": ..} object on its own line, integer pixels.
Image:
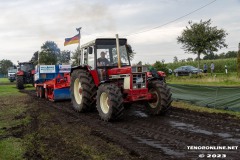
[{"x": 90, "y": 50}]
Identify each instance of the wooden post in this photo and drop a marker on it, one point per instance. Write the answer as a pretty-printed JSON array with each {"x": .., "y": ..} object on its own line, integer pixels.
[{"x": 118, "y": 51}]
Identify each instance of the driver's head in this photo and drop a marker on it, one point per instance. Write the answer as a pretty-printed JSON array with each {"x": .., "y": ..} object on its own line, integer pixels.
[{"x": 103, "y": 54}]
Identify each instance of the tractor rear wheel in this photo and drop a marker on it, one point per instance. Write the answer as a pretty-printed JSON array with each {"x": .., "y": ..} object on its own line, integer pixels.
[
  {"x": 162, "y": 100},
  {"x": 83, "y": 91},
  {"x": 20, "y": 82},
  {"x": 109, "y": 102}
]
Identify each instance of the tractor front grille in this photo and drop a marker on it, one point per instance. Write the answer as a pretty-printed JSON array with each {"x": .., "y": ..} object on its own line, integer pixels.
[{"x": 139, "y": 80}]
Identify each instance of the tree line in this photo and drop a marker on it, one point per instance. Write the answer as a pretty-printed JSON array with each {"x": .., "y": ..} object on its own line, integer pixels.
[{"x": 49, "y": 53}]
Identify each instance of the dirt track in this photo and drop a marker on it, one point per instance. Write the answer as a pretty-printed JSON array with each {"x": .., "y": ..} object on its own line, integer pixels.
[{"x": 139, "y": 135}]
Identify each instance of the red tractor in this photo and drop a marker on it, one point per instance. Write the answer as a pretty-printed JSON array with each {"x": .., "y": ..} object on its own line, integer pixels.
[
  {"x": 106, "y": 80},
  {"x": 25, "y": 74}
]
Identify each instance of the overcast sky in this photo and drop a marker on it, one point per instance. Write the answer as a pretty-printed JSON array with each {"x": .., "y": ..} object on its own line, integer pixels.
[{"x": 26, "y": 24}]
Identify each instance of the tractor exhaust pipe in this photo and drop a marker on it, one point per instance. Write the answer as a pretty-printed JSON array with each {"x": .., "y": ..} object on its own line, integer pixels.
[{"x": 118, "y": 51}]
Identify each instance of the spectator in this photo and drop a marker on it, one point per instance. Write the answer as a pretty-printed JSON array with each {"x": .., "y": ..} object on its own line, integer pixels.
[
  {"x": 226, "y": 71},
  {"x": 205, "y": 68},
  {"x": 212, "y": 68}
]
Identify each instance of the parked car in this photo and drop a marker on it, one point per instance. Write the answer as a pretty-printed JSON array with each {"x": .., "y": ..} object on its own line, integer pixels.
[
  {"x": 186, "y": 71},
  {"x": 12, "y": 74}
]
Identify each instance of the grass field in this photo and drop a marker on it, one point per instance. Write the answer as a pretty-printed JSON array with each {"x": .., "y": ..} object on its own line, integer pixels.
[
  {"x": 13, "y": 110},
  {"x": 11, "y": 106},
  {"x": 218, "y": 79},
  {"x": 185, "y": 105},
  {"x": 5, "y": 80}
]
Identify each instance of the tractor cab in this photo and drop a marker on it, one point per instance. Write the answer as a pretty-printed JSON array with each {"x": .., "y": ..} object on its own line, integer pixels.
[
  {"x": 101, "y": 55},
  {"x": 25, "y": 74},
  {"x": 25, "y": 66}
]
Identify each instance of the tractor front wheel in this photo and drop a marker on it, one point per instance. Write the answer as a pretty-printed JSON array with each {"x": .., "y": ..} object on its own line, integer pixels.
[
  {"x": 161, "y": 98},
  {"x": 109, "y": 102},
  {"x": 20, "y": 82}
]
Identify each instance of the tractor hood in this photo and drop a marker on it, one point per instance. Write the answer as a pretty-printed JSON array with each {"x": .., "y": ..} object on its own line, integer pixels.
[
  {"x": 123, "y": 70},
  {"x": 127, "y": 70}
]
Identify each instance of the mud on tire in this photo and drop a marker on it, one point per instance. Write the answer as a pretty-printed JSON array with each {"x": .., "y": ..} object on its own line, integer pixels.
[
  {"x": 20, "y": 82},
  {"x": 83, "y": 91},
  {"x": 109, "y": 102},
  {"x": 163, "y": 100}
]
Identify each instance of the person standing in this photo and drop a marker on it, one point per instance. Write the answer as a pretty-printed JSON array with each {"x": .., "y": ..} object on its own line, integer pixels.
[
  {"x": 212, "y": 68},
  {"x": 205, "y": 68},
  {"x": 226, "y": 71}
]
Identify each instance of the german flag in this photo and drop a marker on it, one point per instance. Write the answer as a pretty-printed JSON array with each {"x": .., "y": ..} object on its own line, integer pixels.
[{"x": 72, "y": 40}]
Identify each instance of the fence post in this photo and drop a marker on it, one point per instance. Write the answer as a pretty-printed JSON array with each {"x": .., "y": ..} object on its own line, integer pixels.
[{"x": 238, "y": 61}]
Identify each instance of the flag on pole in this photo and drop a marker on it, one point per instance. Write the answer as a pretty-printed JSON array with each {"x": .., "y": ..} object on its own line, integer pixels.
[{"x": 72, "y": 40}]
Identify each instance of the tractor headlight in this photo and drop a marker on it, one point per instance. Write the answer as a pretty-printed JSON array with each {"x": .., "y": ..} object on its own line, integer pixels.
[{"x": 126, "y": 84}]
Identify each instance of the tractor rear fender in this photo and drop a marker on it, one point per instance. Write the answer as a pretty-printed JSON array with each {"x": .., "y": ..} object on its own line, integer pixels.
[
  {"x": 20, "y": 73},
  {"x": 92, "y": 72},
  {"x": 154, "y": 78},
  {"x": 33, "y": 71},
  {"x": 161, "y": 73}
]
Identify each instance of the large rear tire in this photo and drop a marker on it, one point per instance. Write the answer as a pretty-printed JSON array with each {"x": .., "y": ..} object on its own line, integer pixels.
[
  {"x": 162, "y": 98},
  {"x": 20, "y": 82},
  {"x": 109, "y": 102},
  {"x": 83, "y": 91}
]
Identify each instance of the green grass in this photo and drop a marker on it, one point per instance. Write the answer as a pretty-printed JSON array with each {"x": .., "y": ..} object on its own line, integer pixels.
[
  {"x": 4, "y": 80},
  {"x": 10, "y": 109},
  {"x": 11, "y": 149},
  {"x": 217, "y": 79},
  {"x": 12, "y": 119},
  {"x": 188, "y": 106},
  {"x": 6, "y": 90}
]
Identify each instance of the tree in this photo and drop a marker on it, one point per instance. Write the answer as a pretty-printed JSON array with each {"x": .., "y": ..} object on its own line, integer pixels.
[
  {"x": 201, "y": 38},
  {"x": 4, "y": 65},
  {"x": 49, "y": 53},
  {"x": 139, "y": 63},
  {"x": 211, "y": 56},
  {"x": 231, "y": 54},
  {"x": 175, "y": 59},
  {"x": 64, "y": 57},
  {"x": 182, "y": 60},
  {"x": 160, "y": 67},
  {"x": 131, "y": 52},
  {"x": 189, "y": 59},
  {"x": 76, "y": 56},
  {"x": 34, "y": 58},
  {"x": 238, "y": 61}
]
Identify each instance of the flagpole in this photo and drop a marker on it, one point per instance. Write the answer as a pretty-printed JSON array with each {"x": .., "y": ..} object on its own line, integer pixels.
[{"x": 79, "y": 30}]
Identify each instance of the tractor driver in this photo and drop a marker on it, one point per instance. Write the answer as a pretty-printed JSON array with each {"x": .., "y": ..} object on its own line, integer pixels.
[{"x": 102, "y": 61}]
